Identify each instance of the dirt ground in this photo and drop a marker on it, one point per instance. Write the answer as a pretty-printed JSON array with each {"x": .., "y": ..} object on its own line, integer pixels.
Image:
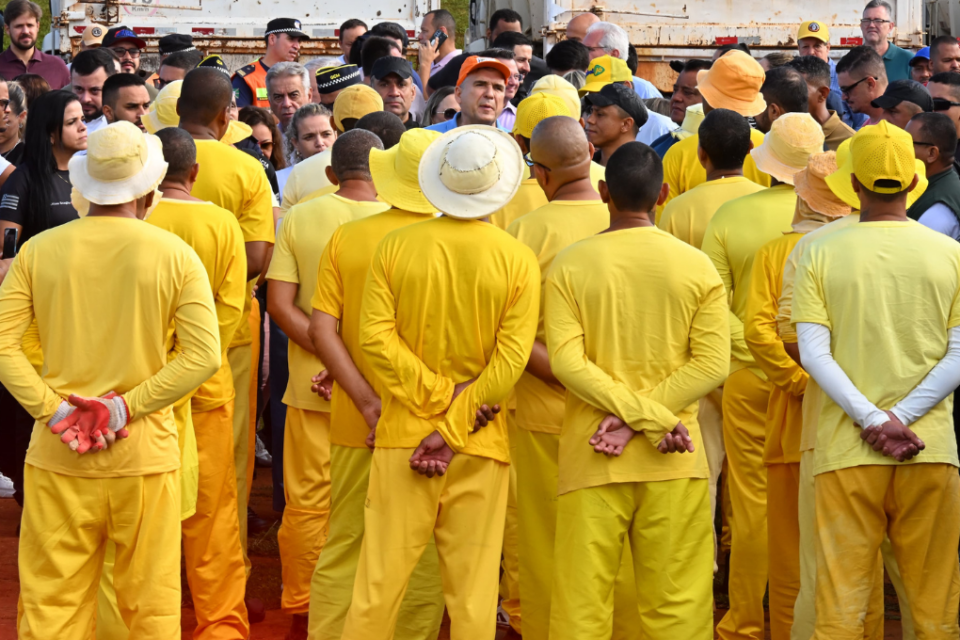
[{"x": 264, "y": 582}]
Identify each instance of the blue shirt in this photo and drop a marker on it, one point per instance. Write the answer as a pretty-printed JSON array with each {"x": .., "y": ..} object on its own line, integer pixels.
[
  {"x": 453, "y": 123},
  {"x": 662, "y": 144},
  {"x": 645, "y": 89}
]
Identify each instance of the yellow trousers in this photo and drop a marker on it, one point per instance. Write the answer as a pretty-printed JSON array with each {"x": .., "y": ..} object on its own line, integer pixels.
[
  {"x": 510, "y": 578},
  {"x": 464, "y": 509},
  {"x": 667, "y": 524},
  {"x": 918, "y": 506},
  {"x": 710, "y": 417},
  {"x": 535, "y": 458},
  {"x": 66, "y": 524},
  {"x": 211, "y": 538},
  {"x": 745, "y": 398},
  {"x": 240, "y": 361},
  {"x": 331, "y": 589},
  {"x": 783, "y": 534},
  {"x": 306, "y": 518}
]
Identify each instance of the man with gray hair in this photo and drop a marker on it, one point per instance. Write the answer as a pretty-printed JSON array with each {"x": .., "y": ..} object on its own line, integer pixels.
[
  {"x": 876, "y": 26},
  {"x": 288, "y": 89},
  {"x": 608, "y": 39}
]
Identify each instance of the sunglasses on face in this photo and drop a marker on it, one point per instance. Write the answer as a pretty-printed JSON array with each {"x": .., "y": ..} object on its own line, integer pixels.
[
  {"x": 531, "y": 162},
  {"x": 447, "y": 114},
  {"x": 942, "y": 104},
  {"x": 850, "y": 87},
  {"x": 120, "y": 51}
]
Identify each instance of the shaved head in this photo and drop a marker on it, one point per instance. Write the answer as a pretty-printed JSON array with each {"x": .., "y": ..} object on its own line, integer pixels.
[
  {"x": 560, "y": 143},
  {"x": 350, "y": 157},
  {"x": 577, "y": 27},
  {"x": 205, "y": 94}
]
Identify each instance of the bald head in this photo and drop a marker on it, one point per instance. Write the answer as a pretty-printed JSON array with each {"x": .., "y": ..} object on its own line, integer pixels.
[
  {"x": 205, "y": 94},
  {"x": 577, "y": 27},
  {"x": 560, "y": 144}
]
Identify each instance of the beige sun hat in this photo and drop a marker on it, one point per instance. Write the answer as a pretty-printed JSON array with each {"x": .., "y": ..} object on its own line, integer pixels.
[
  {"x": 163, "y": 111},
  {"x": 785, "y": 151},
  {"x": 811, "y": 186},
  {"x": 471, "y": 171},
  {"x": 122, "y": 164}
]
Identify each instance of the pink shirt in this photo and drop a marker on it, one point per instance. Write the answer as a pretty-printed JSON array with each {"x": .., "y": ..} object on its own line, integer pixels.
[{"x": 442, "y": 62}]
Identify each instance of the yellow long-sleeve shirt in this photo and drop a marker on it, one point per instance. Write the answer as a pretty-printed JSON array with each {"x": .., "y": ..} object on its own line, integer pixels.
[
  {"x": 784, "y": 413},
  {"x": 231, "y": 179},
  {"x": 547, "y": 231},
  {"x": 643, "y": 349},
  {"x": 339, "y": 293},
  {"x": 104, "y": 292},
  {"x": 686, "y": 217},
  {"x": 215, "y": 235},
  {"x": 303, "y": 236},
  {"x": 732, "y": 239},
  {"x": 682, "y": 169},
  {"x": 447, "y": 301},
  {"x": 307, "y": 178}
]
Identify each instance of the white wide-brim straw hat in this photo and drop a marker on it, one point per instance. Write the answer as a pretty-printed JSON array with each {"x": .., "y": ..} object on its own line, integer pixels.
[
  {"x": 122, "y": 164},
  {"x": 471, "y": 171}
]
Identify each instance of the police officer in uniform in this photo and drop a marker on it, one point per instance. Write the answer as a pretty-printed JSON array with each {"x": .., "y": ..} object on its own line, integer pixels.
[{"x": 283, "y": 37}]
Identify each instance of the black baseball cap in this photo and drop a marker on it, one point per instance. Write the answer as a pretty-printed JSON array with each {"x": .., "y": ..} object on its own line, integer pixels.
[
  {"x": 175, "y": 43},
  {"x": 289, "y": 26},
  {"x": 622, "y": 96},
  {"x": 392, "y": 64},
  {"x": 121, "y": 34},
  {"x": 213, "y": 61},
  {"x": 904, "y": 91}
]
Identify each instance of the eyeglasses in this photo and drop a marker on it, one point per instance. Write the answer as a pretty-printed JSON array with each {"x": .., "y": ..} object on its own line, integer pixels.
[
  {"x": 160, "y": 83},
  {"x": 516, "y": 77},
  {"x": 447, "y": 114},
  {"x": 923, "y": 144},
  {"x": 850, "y": 87},
  {"x": 866, "y": 22},
  {"x": 531, "y": 162},
  {"x": 4, "y": 104},
  {"x": 132, "y": 52},
  {"x": 266, "y": 146},
  {"x": 942, "y": 104}
]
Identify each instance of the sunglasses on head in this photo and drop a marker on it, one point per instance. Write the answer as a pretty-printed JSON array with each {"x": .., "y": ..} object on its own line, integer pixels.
[{"x": 942, "y": 104}]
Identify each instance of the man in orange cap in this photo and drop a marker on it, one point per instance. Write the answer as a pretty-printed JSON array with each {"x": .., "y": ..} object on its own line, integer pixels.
[{"x": 480, "y": 92}]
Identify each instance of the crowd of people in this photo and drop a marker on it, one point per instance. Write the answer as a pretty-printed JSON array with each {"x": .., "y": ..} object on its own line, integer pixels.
[{"x": 456, "y": 292}]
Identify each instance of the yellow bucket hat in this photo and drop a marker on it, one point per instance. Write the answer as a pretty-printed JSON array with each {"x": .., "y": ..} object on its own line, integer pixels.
[
  {"x": 163, "y": 111},
  {"x": 355, "y": 102},
  {"x": 557, "y": 86},
  {"x": 395, "y": 170},
  {"x": 842, "y": 187},
  {"x": 733, "y": 82},
  {"x": 785, "y": 151},
  {"x": 535, "y": 108},
  {"x": 236, "y": 132},
  {"x": 811, "y": 186},
  {"x": 604, "y": 70}
]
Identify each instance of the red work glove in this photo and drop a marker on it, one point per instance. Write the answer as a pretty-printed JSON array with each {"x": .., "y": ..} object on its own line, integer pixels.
[{"x": 91, "y": 423}]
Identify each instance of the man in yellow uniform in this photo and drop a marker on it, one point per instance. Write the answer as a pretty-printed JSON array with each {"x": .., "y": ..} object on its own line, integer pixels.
[
  {"x": 731, "y": 240},
  {"x": 211, "y": 537},
  {"x": 236, "y": 182},
  {"x": 104, "y": 291},
  {"x": 816, "y": 206},
  {"x": 848, "y": 292},
  {"x": 355, "y": 402},
  {"x": 560, "y": 157},
  {"x": 733, "y": 82},
  {"x": 303, "y": 235},
  {"x": 644, "y": 376},
  {"x": 469, "y": 318}
]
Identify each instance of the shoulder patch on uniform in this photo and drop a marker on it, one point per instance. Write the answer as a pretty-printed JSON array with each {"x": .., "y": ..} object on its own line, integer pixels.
[{"x": 250, "y": 68}]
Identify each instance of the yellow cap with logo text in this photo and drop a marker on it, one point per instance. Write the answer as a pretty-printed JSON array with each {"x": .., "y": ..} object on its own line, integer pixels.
[
  {"x": 604, "y": 70},
  {"x": 814, "y": 29}
]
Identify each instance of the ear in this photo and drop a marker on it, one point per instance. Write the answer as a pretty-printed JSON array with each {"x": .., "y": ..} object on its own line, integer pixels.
[
  {"x": 522, "y": 144},
  {"x": 702, "y": 156},
  {"x": 543, "y": 177},
  {"x": 664, "y": 194},
  {"x": 774, "y": 111},
  {"x": 194, "y": 172},
  {"x": 916, "y": 180},
  {"x": 331, "y": 176},
  {"x": 178, "y": 107},
  {"x": 751, "y": 146},
  {"x": 593, "y": 149},
  {"x": 856, "y": 183},
  {"x": 108, "y": 112},
  {"x": 824, "y": 93},
  {"x": 456, "y": 94},
  {"x": 604, "y": 191}
]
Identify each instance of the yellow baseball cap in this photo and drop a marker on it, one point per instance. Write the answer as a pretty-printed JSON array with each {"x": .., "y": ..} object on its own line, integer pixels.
[
  {"x": 604, "y": 70},
  {"x": 814, "y": 29},
  {"x": 883, "y": 152},
  {"x": 785, "y": 151},
  {"x": 557, "y": 86},
  {"x": 395, "y": 171},
  {"x": 355, "y": 102},
  {"x": 842, "y": 187},
  {"x": 537, "y": 107}
]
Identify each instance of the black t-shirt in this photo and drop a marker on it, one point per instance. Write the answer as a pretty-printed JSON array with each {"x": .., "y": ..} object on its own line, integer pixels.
[
  {"x": 250, "y": 147},
  {"x": 411, "y": 123},
  {"x": 15, "y": 155},
  {"x": 15, "y": 203}
]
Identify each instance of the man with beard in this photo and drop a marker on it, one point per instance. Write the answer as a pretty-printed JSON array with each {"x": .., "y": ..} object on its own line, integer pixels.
[
  {"x": 125, "y": 97},
  {"x": 22, "y": 19},
  {"x": 90, "y": 70},
  {"x": 392, "y": 78}
]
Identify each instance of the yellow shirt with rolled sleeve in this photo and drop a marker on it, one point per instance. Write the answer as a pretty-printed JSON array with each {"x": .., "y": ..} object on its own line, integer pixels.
[
  {"x": 303, "y": 236},
  {"x": 682, "y": 170},
  {"x": 649, "y": 371},
  {"x": 215, "y": 235},
  {"x": 339, "y": 293},
  {"x": 447, "y": 301},
  {"x": 233, "y": 180},
  {"x": 889, "y": 292},
  {"x": 547, "y": 231},
  {"x": 104, "y": 292},
  {"x": 687, "y": 215},
  {"x": 732, "y": 239}
]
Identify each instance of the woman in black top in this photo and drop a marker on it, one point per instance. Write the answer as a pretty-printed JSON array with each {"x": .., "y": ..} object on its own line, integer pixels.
[{"x": 14, "y": 121}]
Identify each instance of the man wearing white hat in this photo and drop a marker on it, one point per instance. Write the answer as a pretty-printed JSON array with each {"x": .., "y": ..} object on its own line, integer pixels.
[
  {"x": 471, "y": 317},
  {"x": 128, "y": 283}
]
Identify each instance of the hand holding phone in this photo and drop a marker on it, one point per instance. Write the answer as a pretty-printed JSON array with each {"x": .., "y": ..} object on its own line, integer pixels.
[
  {"x": 10, "y": 236},
  {"x": 439, "y": 37}
]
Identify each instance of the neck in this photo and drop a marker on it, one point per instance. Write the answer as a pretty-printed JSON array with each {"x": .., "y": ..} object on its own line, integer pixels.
[
  {"x": 271, "y": 59},
  {"x": 173, "y": 189},
  {"x": 937, "y": 168},
  {"x": 62, "y": 156},
  {"x": 357, "y": 190},
  {"x": 822, "y": 114},
  {"x": 884, "y": 212},
  {"x": 630, "y": 220},
  {"x": 23, "y": 55},
  {"x": 448, "y": 46},
  {"x": 882, "y": 47},
  {"x": 126, "y": 210},
  {"x": 577, "y": 189},
  {"x": 9, "y": 144},
  {"x": 608, "y": 150},
  {"x": 465, "y": 119},
  {"x": 716, "y": 174},
  {"x": 872, "y": 113},
  {"x": 199, "y": 131}
]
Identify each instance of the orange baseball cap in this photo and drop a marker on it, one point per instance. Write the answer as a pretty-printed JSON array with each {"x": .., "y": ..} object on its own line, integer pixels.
[{"x": 474, "y": 63}]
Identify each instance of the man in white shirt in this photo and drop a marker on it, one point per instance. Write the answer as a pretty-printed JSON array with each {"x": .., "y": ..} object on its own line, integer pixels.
[{"x": 90, "y": 69}]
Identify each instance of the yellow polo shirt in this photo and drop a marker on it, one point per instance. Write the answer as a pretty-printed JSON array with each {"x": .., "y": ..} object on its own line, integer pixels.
[
  {"x": 304, "y": 234},
  {"x": 306, "y": 178},
  {"x": 732, "y": 239},
  {"x": 104, "y": 292},
  {"x": 888, "y": 319},
  {"x": 436, "y": 312},
  {"x": 216, "y": 237},
  {"x": 686, "y": 217},
  {"x": 549, "y": 230},
  {"x": 643, "y": 348},
  {"x": 682, "y": 169},
  {"x": 340, "y": 284},
  {"x": 231, "y": 179}
]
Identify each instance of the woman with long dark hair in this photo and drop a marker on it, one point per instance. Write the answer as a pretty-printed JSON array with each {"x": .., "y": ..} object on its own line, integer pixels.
[{"x": 37, "y": 195}]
